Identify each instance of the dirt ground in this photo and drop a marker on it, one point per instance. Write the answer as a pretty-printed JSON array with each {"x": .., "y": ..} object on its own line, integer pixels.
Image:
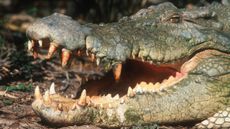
[{"x": 15, "y": 103}]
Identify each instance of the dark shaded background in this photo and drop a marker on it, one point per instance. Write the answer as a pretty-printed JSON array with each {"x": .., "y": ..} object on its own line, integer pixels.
[{"x": 87, "y": 10}]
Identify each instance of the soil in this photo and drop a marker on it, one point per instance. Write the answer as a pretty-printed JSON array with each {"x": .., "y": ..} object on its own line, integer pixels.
[{"x": 15, "y": 106}]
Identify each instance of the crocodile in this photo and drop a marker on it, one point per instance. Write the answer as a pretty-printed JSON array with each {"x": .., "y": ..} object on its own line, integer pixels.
[{"x": 165, "y": 66}]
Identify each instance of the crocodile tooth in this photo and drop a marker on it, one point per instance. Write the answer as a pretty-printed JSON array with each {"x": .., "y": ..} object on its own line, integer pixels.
[
  {"x": 87, "y": 52},
  {"x": 53, "y": 47},
  {"x": 116, "y": 97},
  {"x": 98, "y": 61},
  {"x": 109, "y": 96},
  {"x": 164, "y": 81},
  {"x": 117, "y": 71},
  {"x": 171, "y": 78},
  {"x": 157, "y": 86},
  {"x": 46, "y": 96},
  {"x": 130, "y": 92},
  {"x": 52, "y": 89},
  {"x": 37, "y": 93},
  {"x": 60, "y": 107},
  {"x": 82, "y": 99},
  {"x": 40, "y": 43},
  {"x": 151, "y": 84},
  {"x": 30, "y": 45},
  {"x": 72, "y": 96},
  {"x": 143, "y": 84},
  {"x": 138, "y": 89},
  {"x": 73, "y": 107},
  {"x": 65, "y": 57},
  {"x": 169, "y": 81},
  {"x": 122, "y": 101},
  {"x": 133, "y": 55},
  {"x": 142, "y": 59},
  {"x": 92, "y": 57}
]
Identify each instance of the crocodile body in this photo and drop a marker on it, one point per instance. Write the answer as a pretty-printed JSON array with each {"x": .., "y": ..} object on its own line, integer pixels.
[{"x": 194, "y": 43}]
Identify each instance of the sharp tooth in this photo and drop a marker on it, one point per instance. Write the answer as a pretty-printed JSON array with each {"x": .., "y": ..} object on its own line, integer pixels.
[
  {"x": 72, "y": 96},
  {"x": 87, "y": 52},
  {"x": 98, "y": 61},
  {"x": 133, "y": 55},
  {"x": 60, "y": 107},
  {"x": 171, "y": 78},
  {"x": 151, "y": 84},
  {"x": 109, "y": 96},
  {"x": 30, "y": 45},
  {"x": 116, "y": 97},
  {"x": 164, "y": 81},
  {"x": 53, "y": 47},
  {"x": 138, "y": 89},
  {"x": 143, "y": 84},
  {"x": 52, "y": 89},
  {"x": 92, "y": 57},
  {"x": 142, "y": 59},
  {"x": 130, "y": 92},
  {"x": 117, "y": 71},
  {"x": 65, "y": 57},
  {"x": 82, "y": 99},
  {"x": 37, "y": 93},
  {"x": 40, "y": 43},
  {"x": 73, "y": 107},
  {"x": 157, "y": 86},
  {"x": 122, "y": 101},
  {"x": 46, "y": 96}
]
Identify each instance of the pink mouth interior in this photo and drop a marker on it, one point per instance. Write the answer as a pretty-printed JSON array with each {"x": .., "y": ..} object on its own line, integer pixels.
[{"x": 133, "y": 72}]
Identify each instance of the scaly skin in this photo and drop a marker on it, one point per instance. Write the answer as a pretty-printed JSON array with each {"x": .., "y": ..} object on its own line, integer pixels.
[{"x": 160, "y": 34}]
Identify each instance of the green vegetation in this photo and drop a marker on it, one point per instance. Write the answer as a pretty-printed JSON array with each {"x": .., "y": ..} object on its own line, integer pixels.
[{"x": 19, "y": 87}]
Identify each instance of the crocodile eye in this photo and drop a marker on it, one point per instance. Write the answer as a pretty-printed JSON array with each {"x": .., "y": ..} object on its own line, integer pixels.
[{"x": 175, "y": 19}]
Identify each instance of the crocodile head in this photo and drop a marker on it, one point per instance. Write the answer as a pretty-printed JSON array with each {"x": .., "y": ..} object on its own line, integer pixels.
[{"x": 170, "y": 66}]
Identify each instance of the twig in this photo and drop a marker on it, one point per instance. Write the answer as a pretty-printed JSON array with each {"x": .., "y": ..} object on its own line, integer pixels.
[{"x": 3, "y": 93}]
